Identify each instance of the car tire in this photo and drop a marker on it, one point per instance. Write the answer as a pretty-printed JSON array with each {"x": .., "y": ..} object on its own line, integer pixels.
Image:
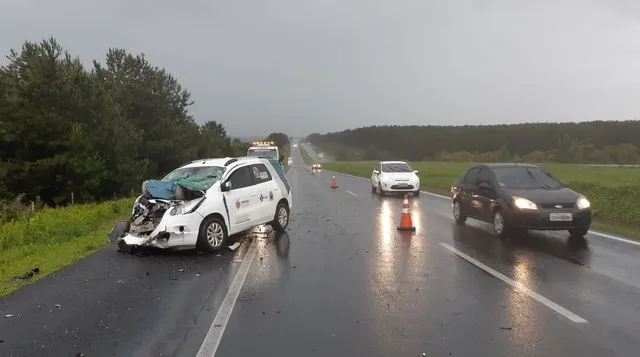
[
  {"x": 380, "y": 191},
  {"x": 458, "y": 212},
  {"x": 373, "y": 189},
  {"x": 417, "y": 193},
  {"x": 281, "y": 217},
  {"x": 500, "y": 225},
  {"x": 578, "y": 232},
  {"x": 213, "y": 235}
]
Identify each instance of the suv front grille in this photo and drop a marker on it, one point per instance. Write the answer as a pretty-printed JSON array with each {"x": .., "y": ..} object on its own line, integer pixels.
[{"x": 553, "y": 205}]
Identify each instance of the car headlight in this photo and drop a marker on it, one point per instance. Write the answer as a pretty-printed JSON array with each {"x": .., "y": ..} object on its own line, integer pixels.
[
  {"x": 583, "y": 203},
  {"x": 187, "y": 207},
  {"x": 524, "y": 203}
]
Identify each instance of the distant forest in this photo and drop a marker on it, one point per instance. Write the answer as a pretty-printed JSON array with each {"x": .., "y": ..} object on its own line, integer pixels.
[{"x": 597, "y": 142}]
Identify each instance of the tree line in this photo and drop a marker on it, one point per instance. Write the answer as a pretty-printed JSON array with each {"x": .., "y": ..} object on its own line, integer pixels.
[
  {"x": 597, "y": 142},
  {"x": 98, "y": 132}
]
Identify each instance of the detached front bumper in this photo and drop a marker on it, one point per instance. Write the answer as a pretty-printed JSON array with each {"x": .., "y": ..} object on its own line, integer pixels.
[
  {"x": 172, "y": 231},
  {"x": 540, "y": 220}
]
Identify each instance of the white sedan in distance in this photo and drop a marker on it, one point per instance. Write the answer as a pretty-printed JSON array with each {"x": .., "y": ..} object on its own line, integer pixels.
[{"x": 394, "y": 177}]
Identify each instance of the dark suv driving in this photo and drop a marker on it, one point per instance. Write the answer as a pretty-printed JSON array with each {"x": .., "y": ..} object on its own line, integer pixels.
[{"x": 519, "y": 197}]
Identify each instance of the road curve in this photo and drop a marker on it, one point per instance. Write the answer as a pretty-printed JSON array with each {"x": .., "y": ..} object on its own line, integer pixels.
[{"x": 342, "y": 281}]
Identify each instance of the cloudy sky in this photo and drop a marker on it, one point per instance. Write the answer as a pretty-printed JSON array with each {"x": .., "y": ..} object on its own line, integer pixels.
[{"x": 302, "y": 66}]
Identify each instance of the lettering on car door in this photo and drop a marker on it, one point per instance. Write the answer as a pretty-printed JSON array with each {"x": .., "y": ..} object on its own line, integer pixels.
[
  {"x": 239, "y": 198},
  {"x": 265, "y": 190}
]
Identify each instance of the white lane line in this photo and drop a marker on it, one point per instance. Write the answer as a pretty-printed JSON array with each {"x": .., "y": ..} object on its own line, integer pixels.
[
  {"x": 599, "y": 234},
  {"x": 212, "y": 340},
  {"x": 604, "y": 235},
  {"x": 351, "y": 193},
  {"x": 518, "y": 286}
]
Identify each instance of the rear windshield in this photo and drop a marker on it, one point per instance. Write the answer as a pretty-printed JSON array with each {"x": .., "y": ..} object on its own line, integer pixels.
[
  {"x": 525, "y": 177},
  {"x": 263, "y": 152},
  {"x": 396, "y": 167},
  {"x": 203, "y": 175}
]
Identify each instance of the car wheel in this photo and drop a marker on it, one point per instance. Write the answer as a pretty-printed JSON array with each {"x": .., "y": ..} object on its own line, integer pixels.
[
  {"x": 458, "y": 212},
  {"x": 500, "y": 226},
  {"x": 281, "y": 218},
  {"x": 578, "y": 232},
  {"x": 373, "y": 189},
  {"x": 417, "y": 193},
  {"x": 212, "y": 236},
  {"x": 380, "y": 191}
]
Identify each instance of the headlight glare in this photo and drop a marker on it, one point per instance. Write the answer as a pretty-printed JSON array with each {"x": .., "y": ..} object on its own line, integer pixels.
[
  {"x": 524, "y": 203},
  {"x": 583, "y": 203}
]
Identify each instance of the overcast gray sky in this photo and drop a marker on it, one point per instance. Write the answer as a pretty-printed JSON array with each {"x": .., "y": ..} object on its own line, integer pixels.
[{"x": 302, "y": 66}]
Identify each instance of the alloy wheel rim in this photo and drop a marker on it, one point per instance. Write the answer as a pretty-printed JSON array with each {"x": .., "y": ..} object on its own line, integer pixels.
[
  {"x": 215, "y": 234},
  {"x": 498, "y": 223},
  {"x": 283, "y": 217}
]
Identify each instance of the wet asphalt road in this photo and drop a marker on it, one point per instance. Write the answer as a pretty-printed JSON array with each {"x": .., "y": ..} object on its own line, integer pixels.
[{"x": 344, "y": 282}]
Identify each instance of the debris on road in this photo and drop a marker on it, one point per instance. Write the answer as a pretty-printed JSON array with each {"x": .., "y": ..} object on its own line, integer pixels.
[
  {"x": 26, "y": 276},
  {"x": 234, "y": 246},
  {"x": 8, "y": 316}
]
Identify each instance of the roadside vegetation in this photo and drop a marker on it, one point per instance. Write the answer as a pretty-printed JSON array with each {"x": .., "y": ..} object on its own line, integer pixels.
[
  {"x": 52, "y": 238},
  {"x": 75, "y": 135}
]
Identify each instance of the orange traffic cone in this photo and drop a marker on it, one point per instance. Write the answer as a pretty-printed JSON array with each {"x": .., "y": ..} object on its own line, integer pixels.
[
  {"x": 333, "y": 182},
  {"x": 405, "y": 218}
]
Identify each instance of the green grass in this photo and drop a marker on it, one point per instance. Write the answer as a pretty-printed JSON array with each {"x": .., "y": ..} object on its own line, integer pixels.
[
  {"x": 53, "y": 238},
  {"x": 614, "y": 192},
  {"x": 305, "y": 155}
]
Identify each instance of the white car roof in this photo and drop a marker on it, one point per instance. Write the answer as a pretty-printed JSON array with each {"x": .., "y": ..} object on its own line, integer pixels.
[
  {"x": 224, "y": 161},
  {"x": 393, "y": 162}
]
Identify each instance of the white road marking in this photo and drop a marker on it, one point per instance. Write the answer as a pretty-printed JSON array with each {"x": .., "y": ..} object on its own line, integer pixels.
[
  {"x": 351, "y": 193},
  {"x": 518, "y": 286},
  {"x": 214, "y": 336},
  {"x": 599, "y": 234}
]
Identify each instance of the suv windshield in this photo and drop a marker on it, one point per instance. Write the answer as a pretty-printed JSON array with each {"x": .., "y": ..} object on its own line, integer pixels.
[
  {"x": 203, "y": 175},
  {"x": 273, "y": 153},
  {"x": 396, "y": 167},
  {"x": 525, "y": 177}
]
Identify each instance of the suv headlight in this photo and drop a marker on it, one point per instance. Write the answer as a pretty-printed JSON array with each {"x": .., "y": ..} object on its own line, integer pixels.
[
  {"x": 524, "y": 203},
  {"x": 583, "y": 203},
  {"x": 187, "y": 207}
]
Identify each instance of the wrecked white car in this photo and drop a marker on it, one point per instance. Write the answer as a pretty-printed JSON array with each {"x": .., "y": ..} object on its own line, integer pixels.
[{"x": 202, "y": 203}]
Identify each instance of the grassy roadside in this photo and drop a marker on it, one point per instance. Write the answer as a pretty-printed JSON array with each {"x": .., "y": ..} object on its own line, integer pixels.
[
  {"x": 305, "y": 155},
  {"x": 54, "y": 238},
  {"x": 613, "y": 191}
]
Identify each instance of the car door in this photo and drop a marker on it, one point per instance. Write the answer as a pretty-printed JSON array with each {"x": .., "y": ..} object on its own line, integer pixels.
[
  {"x": 468, "y": 189},
  {"x": 482, "y": 198},
  {"x": 265, "y": 190},
  {"x": 375, "y": 177},
  {"x": 241, "y": 200}
]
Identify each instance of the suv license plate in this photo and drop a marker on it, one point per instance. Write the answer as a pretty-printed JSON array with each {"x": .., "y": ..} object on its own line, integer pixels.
[{"x": 560, "y": 217}]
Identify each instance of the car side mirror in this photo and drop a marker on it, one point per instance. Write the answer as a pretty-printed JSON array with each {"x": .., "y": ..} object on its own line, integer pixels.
[
  {"x": 485, "y": 186},
  {"x": 226, "y": 186},
  {"x": 376, "y": 172},
  {"x": 415, "y": 171}
]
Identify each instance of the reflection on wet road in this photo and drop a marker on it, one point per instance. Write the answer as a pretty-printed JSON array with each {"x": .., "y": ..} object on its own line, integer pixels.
[
  {"x": 358, "y": 286},
  {"x": 343, "y": 281}
]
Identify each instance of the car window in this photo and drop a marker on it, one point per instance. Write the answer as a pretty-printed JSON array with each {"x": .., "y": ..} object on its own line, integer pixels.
[
  {"x": 396, "y": 167},
  {"x": 484, "y": 175},
  {"x": 525, "y": 177},
  {"x": 241, "y": 178},
  {"x": 260, "y": 173},
  {"x": 471, "y": 177}
]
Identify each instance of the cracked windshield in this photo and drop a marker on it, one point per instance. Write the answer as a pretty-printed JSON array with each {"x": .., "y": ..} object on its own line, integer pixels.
[{"x": 319, "y": 178}]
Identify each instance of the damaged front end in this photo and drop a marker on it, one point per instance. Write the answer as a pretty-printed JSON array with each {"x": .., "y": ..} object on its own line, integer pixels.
[{"x": 161, "y": 217}]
